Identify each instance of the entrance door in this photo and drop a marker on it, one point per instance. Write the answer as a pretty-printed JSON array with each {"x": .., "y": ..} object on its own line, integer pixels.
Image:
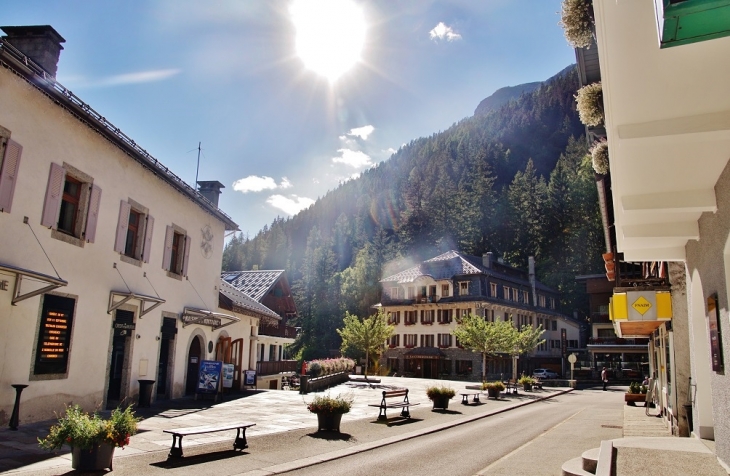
[
  {"x": 196, "y": 350},
  {"x": 167, "y": 345},
  {"x": 120, "y": 346},
  {"x": 428, "y": 368},
  {"x": 236, "y": 360}
]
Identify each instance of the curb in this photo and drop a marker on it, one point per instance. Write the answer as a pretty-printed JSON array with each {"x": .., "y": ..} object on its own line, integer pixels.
[{"x": 334, "y": 455}]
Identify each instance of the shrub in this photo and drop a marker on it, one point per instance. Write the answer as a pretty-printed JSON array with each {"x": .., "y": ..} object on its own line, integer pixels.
[
  {"x": 589, "y": 102},
  {"x": 82, "y": 430},
  {"x": 318, "y": 368},
  {"x": 439, "y": 392},
  {"x": 576, "y": 18},
  {"x": 599, "y": 157},
  {"x": 326, "y": 404},
  {"x": 496, "y": 385},
  {"x": 526, "y": 379},
  {"x": 634, "y": 387},
  {"x": 314, "y": 369}
]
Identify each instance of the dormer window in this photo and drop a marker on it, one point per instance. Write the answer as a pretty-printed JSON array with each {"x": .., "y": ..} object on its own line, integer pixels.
[{"x": 463, "y": 288}]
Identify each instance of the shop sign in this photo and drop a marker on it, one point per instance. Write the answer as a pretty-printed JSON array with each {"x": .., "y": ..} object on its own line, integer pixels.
[{"x": 206, "y": 321}]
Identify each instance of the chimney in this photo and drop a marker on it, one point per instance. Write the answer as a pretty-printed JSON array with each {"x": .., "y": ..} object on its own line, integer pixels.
[
  {"x": 488, "y": 259},
  {"x": 531, "y": 271},
  {"x": 210, "y": 190},
  {"x": 40, "y": 43}
]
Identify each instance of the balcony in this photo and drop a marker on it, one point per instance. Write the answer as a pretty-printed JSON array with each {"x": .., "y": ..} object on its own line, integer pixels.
[
  {"x": 617, "y": 341},
  {"x": 281, "y": 330},
  {"x": 274, "y": 367}
]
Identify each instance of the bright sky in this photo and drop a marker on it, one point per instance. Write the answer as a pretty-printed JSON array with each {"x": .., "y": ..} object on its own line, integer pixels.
[{"x": 291, "y": 97}]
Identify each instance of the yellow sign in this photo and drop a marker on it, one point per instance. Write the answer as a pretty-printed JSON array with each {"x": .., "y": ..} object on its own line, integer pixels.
[{"x": 641, "y": 305}]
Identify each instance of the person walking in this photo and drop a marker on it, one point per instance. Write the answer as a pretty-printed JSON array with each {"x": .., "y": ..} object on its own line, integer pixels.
[{"x": 604, "y": 377}]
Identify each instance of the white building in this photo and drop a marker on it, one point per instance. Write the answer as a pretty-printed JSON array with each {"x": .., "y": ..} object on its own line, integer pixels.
[{"x": 110, "y": 264}]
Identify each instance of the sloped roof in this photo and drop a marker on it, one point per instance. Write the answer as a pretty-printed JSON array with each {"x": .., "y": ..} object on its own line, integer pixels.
[
  {"x": 253, "y": 283},
  {"x": 245, "y": 302}
]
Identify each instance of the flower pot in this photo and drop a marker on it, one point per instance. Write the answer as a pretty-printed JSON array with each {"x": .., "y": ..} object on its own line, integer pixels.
[
  {"x": 527, "y": 386},
  {"x": 441, "y": 402},
  {"x": 329, "y": 421},
  {"x": 97, "y": 458},
  {"x": 493, "y": 393},
  {"x": 632, "y": 398}
]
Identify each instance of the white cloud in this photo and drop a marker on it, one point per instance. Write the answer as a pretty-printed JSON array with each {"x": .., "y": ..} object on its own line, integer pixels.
[
  {"x": 361, "y": 132},
  {"x": 122, "y": 79},
  {"x": 290, "y": 205},
  {"x": 389, "y": 151},
  {"x": 252, "y": 183},
  {"x": 353, "y": 158},
  {"x": 443, "y": 32}
]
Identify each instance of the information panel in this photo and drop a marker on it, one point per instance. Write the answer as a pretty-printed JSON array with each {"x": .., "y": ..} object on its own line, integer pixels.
[
  {"x": 228, "y": 370},
  {"x": 209, "y": 376}
]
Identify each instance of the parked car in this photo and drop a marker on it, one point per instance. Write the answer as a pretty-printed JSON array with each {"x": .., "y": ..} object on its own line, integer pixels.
[
  {"x": 630, "y": 373},
  {"x": 544, "y": 374}
]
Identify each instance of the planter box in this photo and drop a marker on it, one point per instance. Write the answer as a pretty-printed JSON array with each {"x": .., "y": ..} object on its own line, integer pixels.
[
  {"x": 633, "y": 398},
  {"x": 97, "y": 458},
  {"x": 441, "y": 402},
  {"x": 329, "y": 421}
]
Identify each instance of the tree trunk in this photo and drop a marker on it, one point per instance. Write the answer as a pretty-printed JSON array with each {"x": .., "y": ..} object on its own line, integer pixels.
[
  {"x": 367, "y": 361},
  {"x": 484, "y": 366}
]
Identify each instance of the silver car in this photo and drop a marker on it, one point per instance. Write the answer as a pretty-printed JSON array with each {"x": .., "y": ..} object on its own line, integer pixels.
[{"x": 544, "y": 374}]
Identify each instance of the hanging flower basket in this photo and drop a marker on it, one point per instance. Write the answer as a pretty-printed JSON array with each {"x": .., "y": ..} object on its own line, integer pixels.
[
  {"x": 589, "y": 102},
  {"x": 576, "y": 18},
  {"x": 599, "y": 157}
]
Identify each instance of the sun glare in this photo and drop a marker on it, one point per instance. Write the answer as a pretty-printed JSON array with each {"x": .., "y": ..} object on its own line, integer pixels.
[{"x": 330, "y": 35}]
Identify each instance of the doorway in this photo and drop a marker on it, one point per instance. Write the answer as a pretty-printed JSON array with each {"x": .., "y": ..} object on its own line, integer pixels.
[
  {"x": 237, "y": 360},
  {"x": 167, "y": 346},
  {"x": 123, "y": 329},
  {"x": 194, "y": 354}
]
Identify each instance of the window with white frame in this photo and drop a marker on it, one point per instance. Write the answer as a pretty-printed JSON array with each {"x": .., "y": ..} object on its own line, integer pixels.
[
  {"x": 411, "y": 317},
  {"x": 410, "y": 340},
  {"x": 444, "y": 340},
  {"x": 427, "y": 340},
  {"x": 525, "y": 297},
  {"x": 444, "y": 290},
  {"x": 427, "y": 316},
  {"x": 177, "y": 251},
  {"x": 394, "y": 340},
  {"x": 493, "y": 289},
  {"x": 444, "y": 316},
  {"x": 394, "y": 317},
  {"x": 411, "y": 292},
  {"x": 552, "y": 303},
  {"x": 541, "y": 300},
  {"x": 71, "y": 205},
  {"x": 10, "y": 153},
  {"x": 134, "y": 231},
  {"x": 463, "y": 288},
  {"x": 394, "y": 292},
  {"x": 505, "y": 293}
]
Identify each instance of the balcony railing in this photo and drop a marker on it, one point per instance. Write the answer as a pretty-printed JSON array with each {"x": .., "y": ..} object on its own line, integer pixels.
[
  {"x": 288, "y": 332},
  {"x": 276, "y": 367},
  {"x": 616, "y": 341}
]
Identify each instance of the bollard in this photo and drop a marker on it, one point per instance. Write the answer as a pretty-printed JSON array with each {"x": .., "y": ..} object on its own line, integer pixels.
[{"x": 15, "y": 418}]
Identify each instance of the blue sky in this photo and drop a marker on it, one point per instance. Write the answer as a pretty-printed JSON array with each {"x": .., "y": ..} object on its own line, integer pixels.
[{"x": 278, "y": 135}]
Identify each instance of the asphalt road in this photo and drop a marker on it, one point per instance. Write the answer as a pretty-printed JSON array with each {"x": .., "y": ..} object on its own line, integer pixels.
[{"x": 534, "y": 440}]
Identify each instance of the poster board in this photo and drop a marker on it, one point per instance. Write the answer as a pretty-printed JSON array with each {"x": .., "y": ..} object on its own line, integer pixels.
[
  {"x": 713, "y": 323},
  {"x": 228, "y": 370},
  {"x": 209, "y": 376},
  {"x": 249, "y": 378}
]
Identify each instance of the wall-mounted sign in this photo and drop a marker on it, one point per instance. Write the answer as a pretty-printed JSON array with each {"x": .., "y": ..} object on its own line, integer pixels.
[
  {"x": 713, "y": 323},
  {"x": 206, "y": 321},
  {"x": 228, "y": 370},
  {"x": 209, "y": 376},
  {"x": 564, "y": 341},
  {"x": 125, "y": 326}
]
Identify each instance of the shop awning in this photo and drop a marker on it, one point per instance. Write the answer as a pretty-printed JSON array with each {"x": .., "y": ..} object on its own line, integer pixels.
[
  {"x": 50, "y": 282},
  {"x": 639, "y": 313},
  {"x": 425, "y": 353},
  {"x": 129, "y": 296},
  {"x": 206, "y": 318}
]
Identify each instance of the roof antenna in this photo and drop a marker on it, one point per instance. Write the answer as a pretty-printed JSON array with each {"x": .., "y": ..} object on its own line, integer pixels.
[{"x": 197, "y": 168}]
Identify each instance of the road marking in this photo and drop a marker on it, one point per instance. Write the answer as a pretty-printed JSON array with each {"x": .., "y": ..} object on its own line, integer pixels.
[{"x": 485, "y": 470}]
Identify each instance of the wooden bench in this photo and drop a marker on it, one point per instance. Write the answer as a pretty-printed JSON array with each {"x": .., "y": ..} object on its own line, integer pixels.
[
  {"x": 510, "y": 386},
  {"x": 238, "y": 444},
  {"x": 404, "y": 405},
  {"x": 465, "y": 398}
]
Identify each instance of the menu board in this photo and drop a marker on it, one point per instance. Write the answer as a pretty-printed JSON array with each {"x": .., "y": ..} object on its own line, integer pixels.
[{"x": 54, "y": 335}]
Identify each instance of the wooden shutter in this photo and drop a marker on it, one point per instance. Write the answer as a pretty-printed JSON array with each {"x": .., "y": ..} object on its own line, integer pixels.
[
  {"x": 167, "y": 254},
  {"x": 54, "y": 194},
  {"x": 148, "y": 239},
  {"x": 9, "y": 174},
  {"x": 92, "y": 216},
  {"x": 122, "y": 226},
  {"x": 188, "y": 242}
]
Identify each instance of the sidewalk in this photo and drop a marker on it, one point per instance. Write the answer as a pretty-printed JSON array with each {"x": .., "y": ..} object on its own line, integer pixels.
[{"x": 274, "y": 412}]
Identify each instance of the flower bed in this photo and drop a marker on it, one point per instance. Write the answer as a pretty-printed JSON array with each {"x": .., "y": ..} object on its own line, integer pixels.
[{"x": 320, "y": 368}]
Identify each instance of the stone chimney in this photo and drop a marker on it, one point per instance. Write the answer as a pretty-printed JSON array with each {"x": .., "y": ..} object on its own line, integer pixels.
[
  {"x": 531, "y": 271},
  {"x": 488, "y": 259},
  {"x": 210, "y": 190},
  {"x": 40, "y": 43}
]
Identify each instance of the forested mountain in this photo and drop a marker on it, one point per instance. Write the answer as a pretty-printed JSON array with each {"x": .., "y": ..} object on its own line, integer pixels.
[
  {"x": 502, "y": 96},
  {"x": 514, "y": 181}
]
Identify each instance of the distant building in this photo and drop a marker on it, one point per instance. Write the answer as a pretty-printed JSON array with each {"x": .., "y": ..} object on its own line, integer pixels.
[{"x": 424, "y": 302}]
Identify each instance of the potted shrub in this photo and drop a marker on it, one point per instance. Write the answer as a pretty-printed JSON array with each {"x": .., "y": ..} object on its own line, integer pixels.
[
  {"x": 599, "y": 157},
  {"x": 329, "y": 410},
  {"x": 440, "y": 396},
  {"x": 576, "y": 18},
  {"x": 92, "y": 438},
  {"x": 526, "y": 381},
  {"x": 493, "y": 388},
  {"x": 589, "y": 102},
  {"x": 636, "y": 393}
]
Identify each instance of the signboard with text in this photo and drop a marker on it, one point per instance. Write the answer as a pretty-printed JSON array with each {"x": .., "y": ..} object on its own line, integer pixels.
[
  {"x": 209, "y": 376},
  {"x": 249, "y": 378},
  {"x": 228, "y": 370}
]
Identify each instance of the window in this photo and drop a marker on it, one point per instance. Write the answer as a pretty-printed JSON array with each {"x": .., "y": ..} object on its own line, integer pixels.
[
  {"x": 555, "y": 325},
  {"x": 541, "y": 300},
  {"x": 444, "y": 340},
  {"x": 493, "y": 289},
  {"x": 411, "y": 292},
  {"x": 463, "y": 367},
  {"x": 555, "y": 344},
  {"x": 515, "y": 295},
  {"x": 410, "y": 318},
  {"x": 71, "y": 205},
  {"x": 572, "y": 343},
  {"x": 427, "y": 340},
  {"x": 394, "y": 341},
  {"x": 427, "y": 316},
  {"x": 409, "y": 340},
  {"x": 444, "y": 290},
  {"x": 505, "y": 293},
  {"x": 432, "y": 291},
  {"x": 10, "y": 152},
  {"x": 394, "y": 293},
  {"x": 394, "y": 317},
  {"x": 552, "y": 303},
  {"x": 444, "y": 316},
  {"x": 54, "y": 335},
  {"x": 177, "y": 251},
  {"x": 464, "y": 288},
  {"x": 525, "y": 297},
  {"x": 134, "y": 232}
]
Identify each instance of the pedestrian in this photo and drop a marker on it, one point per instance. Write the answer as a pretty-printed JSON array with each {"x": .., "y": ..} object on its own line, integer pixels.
[{"x": 604, "y": 377}]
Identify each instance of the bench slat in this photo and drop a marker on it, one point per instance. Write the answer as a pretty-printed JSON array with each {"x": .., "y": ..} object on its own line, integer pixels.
[{"x": 196, "y": 430}]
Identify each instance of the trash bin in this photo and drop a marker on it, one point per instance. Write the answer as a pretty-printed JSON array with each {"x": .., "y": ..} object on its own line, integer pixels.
[{"x": 145, "y": 393}]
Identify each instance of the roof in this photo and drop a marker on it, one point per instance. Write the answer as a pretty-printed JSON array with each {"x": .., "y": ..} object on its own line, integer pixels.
[
  {"x": 454, "y": 263},
  {"x": 26, "y": 68},
  {"x": 245, "y": 302},
  {"x": 253, "y": 283}
]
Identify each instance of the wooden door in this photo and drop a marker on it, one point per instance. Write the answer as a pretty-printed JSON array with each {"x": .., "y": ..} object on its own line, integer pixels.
[{"x": 237, "y": 361}]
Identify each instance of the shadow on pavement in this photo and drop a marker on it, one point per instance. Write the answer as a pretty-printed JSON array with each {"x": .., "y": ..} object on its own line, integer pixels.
[
  {"x": 331, "y": 436},
  {"x": 398, "y": 421},
  {"x": 447, "y": 412},
  {"x": 198, "y": 459}
]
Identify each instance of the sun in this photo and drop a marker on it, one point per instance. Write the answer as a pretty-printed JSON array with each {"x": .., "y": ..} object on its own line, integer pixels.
[{"x": 330, "y": 35}]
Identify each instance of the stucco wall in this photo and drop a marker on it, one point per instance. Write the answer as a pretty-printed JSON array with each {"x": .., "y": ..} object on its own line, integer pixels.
[
  {"x": 707, "y": 263},
  {"x": 50, "y": 134}
]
